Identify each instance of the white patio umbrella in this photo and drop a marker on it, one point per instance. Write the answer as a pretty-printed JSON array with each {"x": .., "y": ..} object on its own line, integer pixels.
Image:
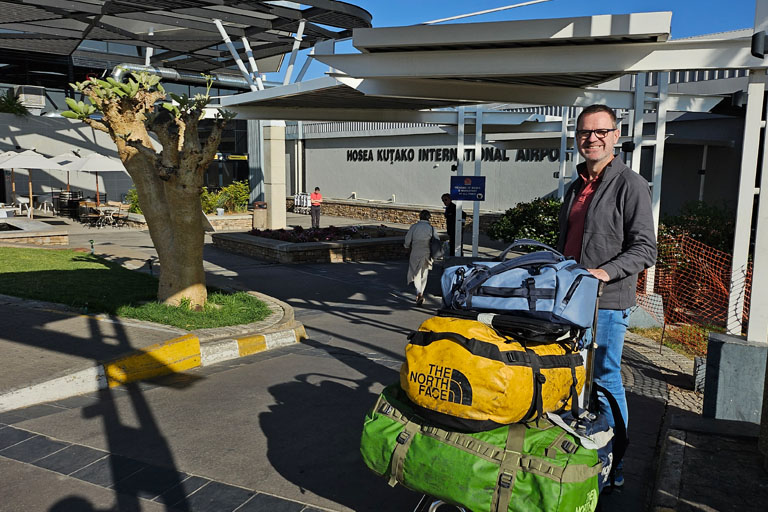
[
  {"x": 96, "y": 163},
  {"x": 30, "y": 159},
  {"x": 3, "y": 157},
  {"x": 64, "y": 160}
]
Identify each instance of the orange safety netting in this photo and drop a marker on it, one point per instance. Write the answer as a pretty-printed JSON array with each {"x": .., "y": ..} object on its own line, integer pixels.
[{"x": 691, "y": 290}]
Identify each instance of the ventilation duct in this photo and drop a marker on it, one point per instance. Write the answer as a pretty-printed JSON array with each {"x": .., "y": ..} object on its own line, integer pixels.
[{"x": 173, "y": 75}]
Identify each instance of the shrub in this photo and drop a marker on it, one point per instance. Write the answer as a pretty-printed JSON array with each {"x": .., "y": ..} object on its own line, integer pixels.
[
  {"x": 234, "y": 197},
  {"x": 709, "y": 224},
  {"x": 10, "y": 104},
  {"x": 537, "y": 220},
  {"x": 133, "y": 200},
  {"x": 209, "y": 200}
]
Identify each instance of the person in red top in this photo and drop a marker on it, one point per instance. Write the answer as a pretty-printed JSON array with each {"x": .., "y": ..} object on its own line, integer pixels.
[{"x": 315, "y": 199}]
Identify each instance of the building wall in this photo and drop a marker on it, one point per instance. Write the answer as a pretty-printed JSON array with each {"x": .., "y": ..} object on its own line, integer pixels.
[
  {"x": 412, "y": 168},
  {"x": 52, "y": 136}
]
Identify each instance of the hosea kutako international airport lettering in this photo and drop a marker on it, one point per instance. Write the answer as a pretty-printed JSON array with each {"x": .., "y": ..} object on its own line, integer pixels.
[{"x": 489, "y": 154}]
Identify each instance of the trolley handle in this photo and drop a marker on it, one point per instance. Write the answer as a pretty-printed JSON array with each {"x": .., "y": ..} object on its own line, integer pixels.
[{"x": 590, "y": 377}]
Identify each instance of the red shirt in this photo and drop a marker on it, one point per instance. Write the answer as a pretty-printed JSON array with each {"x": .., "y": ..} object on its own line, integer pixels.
[
  {"x": 316, "y": 198},
  {"x": 577, "y": 215}
]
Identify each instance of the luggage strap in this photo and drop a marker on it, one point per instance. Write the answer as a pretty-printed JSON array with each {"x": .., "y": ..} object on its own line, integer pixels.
[
  {"x": 525, "y": 357},
  {"x": 510, "y": 459}
]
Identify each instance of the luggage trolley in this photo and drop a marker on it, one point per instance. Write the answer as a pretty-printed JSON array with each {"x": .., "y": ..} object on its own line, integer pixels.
[
  {"x": 301, "y": 203},
  {"x": 522, "y": 327}
]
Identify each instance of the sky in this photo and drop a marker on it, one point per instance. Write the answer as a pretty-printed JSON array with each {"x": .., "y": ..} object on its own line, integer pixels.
[{"x": 689, "y": 18}]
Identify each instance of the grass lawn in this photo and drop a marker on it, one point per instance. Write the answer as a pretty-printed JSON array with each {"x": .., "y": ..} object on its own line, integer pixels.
[{"x": 89, "y": 283}]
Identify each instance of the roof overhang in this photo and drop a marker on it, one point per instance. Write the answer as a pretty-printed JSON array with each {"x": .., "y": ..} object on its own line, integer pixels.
[{"x": 403, "y": 71}]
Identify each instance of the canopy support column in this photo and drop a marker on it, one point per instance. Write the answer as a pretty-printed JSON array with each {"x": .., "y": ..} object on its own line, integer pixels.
[
  {"x": 235, "y": 55},
  {"x": 458, "y": 226},
  {"x": 294, "y": 51},
  {"x": 752, "y": 126}
]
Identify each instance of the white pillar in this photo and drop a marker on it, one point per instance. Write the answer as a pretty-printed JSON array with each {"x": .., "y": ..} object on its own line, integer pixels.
[
  {"x": 478, "y": 172},
  {"x": 457, "y": 227},
  {"x": 274, "y": 173},
  {"x": 752, "y": 124},
  {"x": 658, "y": 165},
  {"x": 757, "y": 329},
  {"x": 637, "y": 125},
  {"x": 563, "y": 154}
]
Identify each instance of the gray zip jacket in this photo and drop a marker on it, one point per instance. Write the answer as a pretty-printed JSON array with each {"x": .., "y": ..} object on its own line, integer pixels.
[{"x": 618, "y": 231}]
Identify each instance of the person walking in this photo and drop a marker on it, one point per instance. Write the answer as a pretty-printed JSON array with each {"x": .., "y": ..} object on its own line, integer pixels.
[
  {"x": 420, "y": 262},
  {"x": 315, "y": 200},
  {"x": 450, "y": 223},
  {"x": 606, "y": 224}
]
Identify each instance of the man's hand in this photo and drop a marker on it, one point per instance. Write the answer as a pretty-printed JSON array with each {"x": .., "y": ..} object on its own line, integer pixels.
[{"x": 599, "y": 273}]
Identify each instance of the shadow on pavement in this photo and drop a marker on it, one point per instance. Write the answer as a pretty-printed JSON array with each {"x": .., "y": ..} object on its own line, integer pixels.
[
  {"x": 313, "y": 434},
  {"x": 129, "y": 478}
]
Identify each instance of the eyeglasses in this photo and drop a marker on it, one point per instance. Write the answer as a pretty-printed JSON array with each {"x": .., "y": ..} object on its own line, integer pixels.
[{"x": 600, "y": 133}]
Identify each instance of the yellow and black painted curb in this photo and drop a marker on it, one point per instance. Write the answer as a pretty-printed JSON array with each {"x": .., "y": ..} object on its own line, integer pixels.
[{"x": 171, "y": 356}]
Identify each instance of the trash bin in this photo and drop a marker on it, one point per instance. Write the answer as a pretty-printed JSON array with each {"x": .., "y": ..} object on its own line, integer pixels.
[
  {"x": 259, "y": 215},
  {"x": 219, "y": 211}
]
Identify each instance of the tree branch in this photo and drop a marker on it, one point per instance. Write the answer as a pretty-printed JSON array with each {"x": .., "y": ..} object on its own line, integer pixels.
[{"x": 96, "y": 125}]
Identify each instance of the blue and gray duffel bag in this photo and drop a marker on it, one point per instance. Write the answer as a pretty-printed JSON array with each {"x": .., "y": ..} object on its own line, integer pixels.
[{"x": 542, "y": 285}]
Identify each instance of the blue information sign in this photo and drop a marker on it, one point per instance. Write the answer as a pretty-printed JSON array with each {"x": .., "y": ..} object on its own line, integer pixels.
[{"x": 468, "y": 188}]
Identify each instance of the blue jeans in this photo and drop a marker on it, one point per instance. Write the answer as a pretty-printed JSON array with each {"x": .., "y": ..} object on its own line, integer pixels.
[{"x": 611, "y": 326}]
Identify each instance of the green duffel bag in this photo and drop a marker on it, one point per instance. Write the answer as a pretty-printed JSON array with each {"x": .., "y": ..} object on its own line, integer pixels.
[{"x": 516, "y": 467}]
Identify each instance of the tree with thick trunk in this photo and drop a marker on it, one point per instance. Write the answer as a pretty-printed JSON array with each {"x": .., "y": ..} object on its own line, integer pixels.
[{"x": 168, "y": 183}]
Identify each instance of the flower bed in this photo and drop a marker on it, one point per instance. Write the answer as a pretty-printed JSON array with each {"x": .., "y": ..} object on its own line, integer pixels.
[
  {"x": 329, "y": 234},
  {"x": 324, "y": 245}
]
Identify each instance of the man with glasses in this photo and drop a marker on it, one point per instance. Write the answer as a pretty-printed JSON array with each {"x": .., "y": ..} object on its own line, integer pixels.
[{"x": 606, "y": 224}]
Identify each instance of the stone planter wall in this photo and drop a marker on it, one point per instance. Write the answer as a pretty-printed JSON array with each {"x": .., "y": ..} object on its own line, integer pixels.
[
  {"x": 371, "y": 249},
  {"x": 33, "y": 238},
  {"x": 230, "y": 222},
  {"x": 383, "y": 212}
]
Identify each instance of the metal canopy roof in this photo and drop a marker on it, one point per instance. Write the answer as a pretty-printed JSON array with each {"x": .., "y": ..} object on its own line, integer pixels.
[
  {"x": 641, "y": 27},
  {"x": 539, "y": 62},
  {"x": 41, "y": 35}
]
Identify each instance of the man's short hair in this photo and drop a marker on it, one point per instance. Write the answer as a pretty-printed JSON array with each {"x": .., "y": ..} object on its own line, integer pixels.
[
  {"x": 445, "y": 196},
  {"x": 424, "y": 215},
  {"x": 594, "y": 109},
  {"x": 317, "y": 189}
]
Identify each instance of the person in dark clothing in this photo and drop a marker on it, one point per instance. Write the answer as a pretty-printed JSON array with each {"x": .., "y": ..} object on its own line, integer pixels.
[
  {"x": 606, "y": 224},
  {"x": 450, "y": 223}
]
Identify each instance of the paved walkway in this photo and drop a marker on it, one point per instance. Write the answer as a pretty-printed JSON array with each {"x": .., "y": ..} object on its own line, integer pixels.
[{"x": 268, "y": 426}]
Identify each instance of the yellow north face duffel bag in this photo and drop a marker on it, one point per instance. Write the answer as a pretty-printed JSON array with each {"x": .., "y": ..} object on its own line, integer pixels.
[{"x": 464, "y": 375}]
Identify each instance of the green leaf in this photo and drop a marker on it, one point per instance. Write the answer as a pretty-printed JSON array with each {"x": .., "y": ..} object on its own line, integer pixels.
[
  {"x": 70, "y": 115},
  {"x": 71, "y": 103}
]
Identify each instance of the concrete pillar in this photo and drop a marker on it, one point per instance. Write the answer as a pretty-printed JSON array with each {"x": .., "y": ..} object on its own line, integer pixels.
[
  {"x": 274, "y": 173},
  {"x": 763, "y": 442}
]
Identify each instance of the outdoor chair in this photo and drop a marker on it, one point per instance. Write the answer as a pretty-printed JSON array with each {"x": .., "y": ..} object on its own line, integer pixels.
[
  {"x": 118, "y": 216},
  {"x": 89, "y": 215},
  {"x": 21, "y": 204},
  {"x": 45, "y": 202}
]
